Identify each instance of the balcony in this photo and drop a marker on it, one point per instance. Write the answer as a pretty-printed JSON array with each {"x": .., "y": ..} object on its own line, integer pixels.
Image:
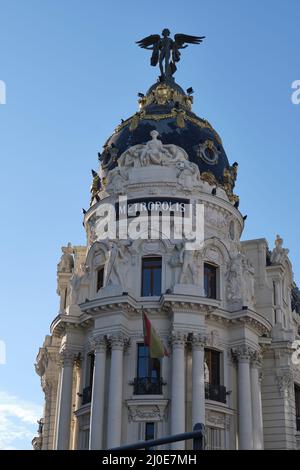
[
  {"x": 86, "y": 395},
  {"x": 215, "y": 392},
  {"x": 147, "y": 386}
]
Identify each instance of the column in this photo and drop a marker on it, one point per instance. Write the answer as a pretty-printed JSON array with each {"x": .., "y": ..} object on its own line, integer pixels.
[
  {"x": 98, "y": 343},
  {"x": 178, "y": 388},
  {"x": 65, "y": 400},
  {"x": 114, "y": 420},
  {"x": 243, "y": 354},
  {"x": 78, "y": 398},
  {"x": 257, "y": 421},
  {"x": 198, "y": 386}
]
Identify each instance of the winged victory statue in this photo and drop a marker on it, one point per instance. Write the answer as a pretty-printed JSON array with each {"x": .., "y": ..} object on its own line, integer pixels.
[{"x": 166, "y": 51}]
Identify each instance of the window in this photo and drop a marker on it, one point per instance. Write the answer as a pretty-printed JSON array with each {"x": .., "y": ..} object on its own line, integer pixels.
[
  {"x": 87, "y": 391},
  {"x": 212, "y": 360},
  {"x": 212, "y": 376},
  {"x": 149, "y": 431},
  {"x": 148, "y": 380},
  {"x": 100, "y": 278},
  {"x": 210, "y": 281},
  {"x": 151, "y": 276},
  {"x": 297, "y": 403}
]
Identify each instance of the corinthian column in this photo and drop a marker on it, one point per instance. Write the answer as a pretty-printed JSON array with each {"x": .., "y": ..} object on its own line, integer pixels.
[
  {"x": 258, "y": 438},
  {"x": 178, "y": 387},
  {"x": 65, "y": 400},
  {"x": 98, "y": 343},
  {"x": 198, "y": 387},
  {"x": 114, "y": 420},
  {"x": 243, "y": 356}
]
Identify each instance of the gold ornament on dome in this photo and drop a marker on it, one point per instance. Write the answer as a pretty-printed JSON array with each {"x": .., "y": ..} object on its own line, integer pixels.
[
  {"x": 180, "y": 117},
  {"x": 230, "y": 176},
  {"x": 164, "y": 94},
  {"x": 209, "y": 177}
]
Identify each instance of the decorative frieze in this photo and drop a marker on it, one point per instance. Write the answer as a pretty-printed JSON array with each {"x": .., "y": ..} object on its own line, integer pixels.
[{"x": 140, "y": 411}]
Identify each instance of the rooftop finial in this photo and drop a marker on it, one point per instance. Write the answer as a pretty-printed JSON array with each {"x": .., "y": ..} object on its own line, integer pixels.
[{"x": 166, "y": 50}]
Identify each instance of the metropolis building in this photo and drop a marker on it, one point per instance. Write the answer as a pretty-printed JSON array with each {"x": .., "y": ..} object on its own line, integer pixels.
[{"x": 228, "y": 313}]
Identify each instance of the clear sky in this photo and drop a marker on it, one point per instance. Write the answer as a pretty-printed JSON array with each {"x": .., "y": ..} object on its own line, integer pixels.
[{"x": 72, "y": 72}]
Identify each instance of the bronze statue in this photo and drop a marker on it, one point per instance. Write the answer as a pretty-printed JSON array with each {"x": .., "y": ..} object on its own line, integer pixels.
[
  {"x": 95, "y": 187},
  {"x": 166, "y": 50}
]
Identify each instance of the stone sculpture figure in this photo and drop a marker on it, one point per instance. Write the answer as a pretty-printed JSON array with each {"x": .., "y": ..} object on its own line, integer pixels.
[
  {"x": 189, "y": 271},
  {"x": 234, "y": 277},
  {"x": 117, "y": 264},
  {"x": 248, "y": 282},
  {"x": 66, "y": 264},
  {"x": 279, "y": 253}
]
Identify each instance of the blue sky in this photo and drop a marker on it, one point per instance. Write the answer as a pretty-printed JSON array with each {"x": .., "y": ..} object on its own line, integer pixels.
[{"x": 72, "y": 72}]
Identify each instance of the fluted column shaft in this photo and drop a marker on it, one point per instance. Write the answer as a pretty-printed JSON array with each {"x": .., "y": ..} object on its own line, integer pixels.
[
  {"x": 258, "y": 438},
  {"x": 65, "y": 401},
  {"x": 114, "y": 424},
  {"x": 178, "y": 388},
  {"x": 78, "y": 364},
  {"x": 198, "y": 386},
  {"x": 243, "y": 355},
  {"x": 98, "y": 392}
]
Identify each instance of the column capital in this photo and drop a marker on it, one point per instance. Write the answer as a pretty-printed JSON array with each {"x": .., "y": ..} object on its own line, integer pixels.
[
  {"x": 67, "y": 357},
  {"x": 178, "y": 339},
  {"x": 98, "y": 343},
  {"x": 119, "y": 341},
  {"x": 256, "y": 359},
  {"x": 242, "y": 353},
  {"x": 198, "y": 341}
]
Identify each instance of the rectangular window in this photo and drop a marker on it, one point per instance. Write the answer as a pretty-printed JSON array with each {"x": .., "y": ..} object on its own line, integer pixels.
[
  {"x": 151, "y": 276},
  {"x": 210, "y": 281},
  {"x": 87, "y": 391},
  {"x": 148, "y": 380},
  {"x": 212, "y": 361},
  {"x": 149, "y": 431},
  {"x": 100, "y": 278},
  {"x": 212, "y": 376},
  {"x": 297, "y": 403}
]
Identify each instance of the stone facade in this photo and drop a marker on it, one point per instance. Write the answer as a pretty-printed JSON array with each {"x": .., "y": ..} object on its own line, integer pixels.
[{"x": 249, "y": 322}]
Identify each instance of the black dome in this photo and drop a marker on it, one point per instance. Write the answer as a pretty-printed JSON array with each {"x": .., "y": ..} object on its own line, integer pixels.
[{"x": 167, "y": 109}]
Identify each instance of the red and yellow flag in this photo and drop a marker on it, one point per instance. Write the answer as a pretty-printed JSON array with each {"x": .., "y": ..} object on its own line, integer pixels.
[{"x": 152, "y": 340}]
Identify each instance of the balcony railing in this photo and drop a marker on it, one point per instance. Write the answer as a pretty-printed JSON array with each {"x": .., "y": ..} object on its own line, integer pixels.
[
  {"x": 86, "y": 395},
  {"x": 147, "y": 386},
  {"x": 215, "y": 392}
]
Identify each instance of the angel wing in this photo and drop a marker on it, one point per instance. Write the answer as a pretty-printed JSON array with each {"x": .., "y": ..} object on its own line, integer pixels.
[
  {"x": 180, "y": 39},
  {"x": 148, "y": 41}
]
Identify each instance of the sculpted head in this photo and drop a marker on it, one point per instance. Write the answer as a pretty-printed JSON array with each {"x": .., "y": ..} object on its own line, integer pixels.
[{"x": 154, "y": 134}]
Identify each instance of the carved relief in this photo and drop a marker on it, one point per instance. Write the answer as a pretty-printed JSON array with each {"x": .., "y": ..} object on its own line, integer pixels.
[{"x": 154, "y": 152}]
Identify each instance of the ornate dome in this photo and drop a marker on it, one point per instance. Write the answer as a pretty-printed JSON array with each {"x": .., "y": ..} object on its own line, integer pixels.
[{"x": 167, "y": 109}]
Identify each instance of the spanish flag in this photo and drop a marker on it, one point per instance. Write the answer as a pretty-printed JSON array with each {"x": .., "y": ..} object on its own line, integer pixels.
[{"x": 152, "y": 340}]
